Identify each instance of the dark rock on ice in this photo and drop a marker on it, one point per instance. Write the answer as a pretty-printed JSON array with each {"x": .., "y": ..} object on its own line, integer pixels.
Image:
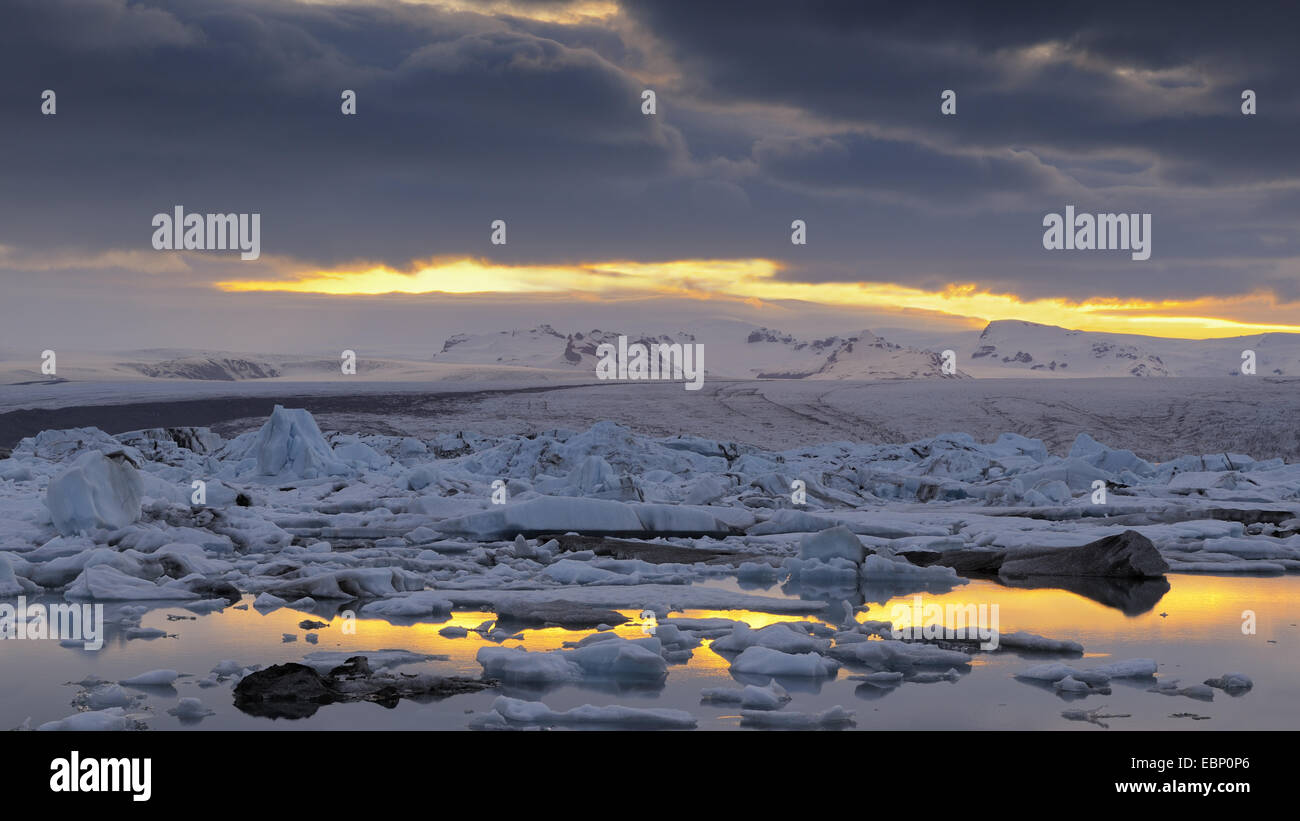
[
  {"x": 297, "y": 691},
  {"x": 283, "y": 691},
  {"x": 1126, "y": 555},
  {"x": 964, "y": 561}
]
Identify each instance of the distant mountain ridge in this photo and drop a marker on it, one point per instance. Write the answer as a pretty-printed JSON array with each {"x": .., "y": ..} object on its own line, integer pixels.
[
  {"x": 731, "y": 350},
  {"x": 1015, "y": 347},
  {"x": 764, "y": 353}
]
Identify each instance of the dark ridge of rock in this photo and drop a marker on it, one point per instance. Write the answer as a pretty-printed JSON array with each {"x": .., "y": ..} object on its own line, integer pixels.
[
  {"x": 963, "y": 561},
  {"x": 1249, "y": 516},
  {"x": 297, "y": 691},
  {"x": 1128, "y": 555},
  {"x": 646, "y": 551},
  {"x": 574, "y": 615}
]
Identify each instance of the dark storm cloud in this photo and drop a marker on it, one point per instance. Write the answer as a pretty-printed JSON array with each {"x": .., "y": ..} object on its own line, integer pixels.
[
  {"x": 772, "y": 111},
  {"x": 235, "y": 107},
  {"x": 887, "y": 63}
]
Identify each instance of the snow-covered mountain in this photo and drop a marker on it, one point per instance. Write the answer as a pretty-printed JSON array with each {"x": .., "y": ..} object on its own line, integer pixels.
[
  {"x": 731, "y": 350},
  {"x": 220, "y": 368},
  {"x": 1014, "y": 345},
  {"x": 863, "y": 355},
  {"x": 735, "y": 351},
  {"x": 541, "y": 347},
  {"x": 1016, "y": 348}
]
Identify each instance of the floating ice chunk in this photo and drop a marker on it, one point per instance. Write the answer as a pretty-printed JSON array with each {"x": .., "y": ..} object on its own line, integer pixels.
[
  {"x": 775, "y": 636},
  {"x": 837, "y": 572},
  {"x": 764, "y": 661},
  {"x": 634, "y": 659},
  {"x": 617, "y": 659},
  {"x": 674, "y": 638},
  {"x": 568, "y": 571},
  {"x": 11, "y": 584},
  {"x": 97, "y": 491},
  {"x": 545, "y": 514},
  {"x": 358, "y": 454},
  {"x": 1231, "y": 682},
  {"x": 353, "y": 583},
  {"x": 111, "y": 719},
  {"x": 1108, "y": 459},
  {"x": 671, "y": 519},
  {"x": 229, "y": 667},
  {"x": 1056, "y": 671},
  {"x": 834, "y": 542},
  {"x": 266, "y": 601},
  {"x": 1070, "y": 684},
  {"x": 410, "y": 605},
  {"x": 1052, "y": 491},
  {"x": 206, "y": 605},
  {"x": 62, "y": 570},
  {"x": 1131, "y": 668},
  {"x": 1200, "y": 692},
  {"x": 322, "y": 661},
  {"x": 519, "y": 666},
  {"x": 750, "y": 697},
  {"x": 290, "y": 444},
  {"x": 592, "y": 477},
  {"x": 881, "y": 525},
  {"x": 153, "y": 678},
  {"x": 707, "y": 489},
  {"x": 105, "y": 696},
  {"x": 190, "y": 709},
  {"x": 1020, "y": 640},
  {"x": 880, "y": 568},
  {"x": 834, "y": 717},
  {"x": 706, "y": 628},
  {"x": 932, "y": 676},
  {"x": 898, "y": 655},
  {"x": 518, "y": 712},
  {"x": 106, "y": 583},
  {"x": 881, "y": 677},
  {"x": 1077, "y": 474}
]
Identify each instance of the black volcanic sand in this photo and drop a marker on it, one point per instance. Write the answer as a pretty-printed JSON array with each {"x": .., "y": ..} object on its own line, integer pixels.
[{"x": 121, "y": 418}]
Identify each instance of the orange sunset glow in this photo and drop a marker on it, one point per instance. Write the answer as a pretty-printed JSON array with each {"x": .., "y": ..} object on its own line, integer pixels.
[{"x": 758, "y": 280}]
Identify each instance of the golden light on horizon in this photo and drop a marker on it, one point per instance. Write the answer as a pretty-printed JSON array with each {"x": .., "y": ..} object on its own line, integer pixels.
[
  {"x": 756, "y": 280},
  {"x": 567, "y": 13}
]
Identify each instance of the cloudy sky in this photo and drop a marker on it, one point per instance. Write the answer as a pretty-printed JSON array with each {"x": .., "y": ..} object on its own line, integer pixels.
[{"x": 377, "y": 225}]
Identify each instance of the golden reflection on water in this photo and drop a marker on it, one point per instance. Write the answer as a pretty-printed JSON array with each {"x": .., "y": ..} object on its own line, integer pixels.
[
  {"x": 1200, "y": 609},
  {"x": 1197, "y": 608}
]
